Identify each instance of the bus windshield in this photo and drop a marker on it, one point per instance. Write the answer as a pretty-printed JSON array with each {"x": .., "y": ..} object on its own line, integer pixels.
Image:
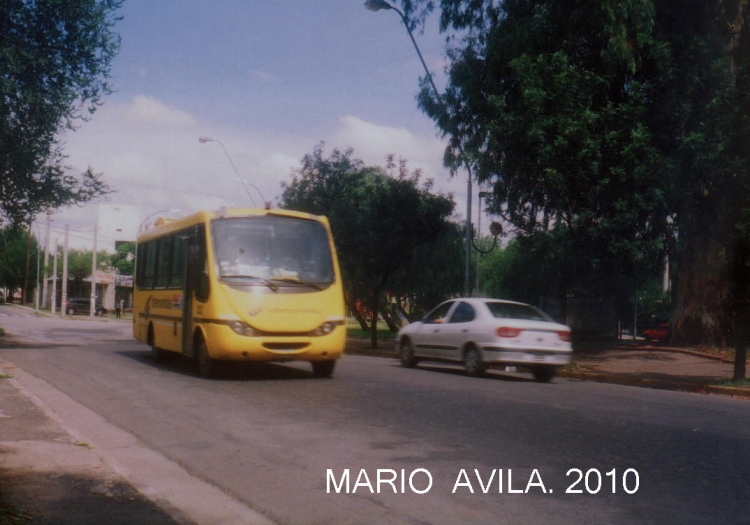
[{"x": 272, "y": 251}]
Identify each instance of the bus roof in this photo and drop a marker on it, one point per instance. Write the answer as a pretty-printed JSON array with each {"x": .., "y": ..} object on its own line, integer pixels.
[{"x": 164, "y": 225}]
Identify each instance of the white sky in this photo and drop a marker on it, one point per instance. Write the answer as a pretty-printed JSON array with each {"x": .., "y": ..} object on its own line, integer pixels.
[{"x": 268, "y": 79}]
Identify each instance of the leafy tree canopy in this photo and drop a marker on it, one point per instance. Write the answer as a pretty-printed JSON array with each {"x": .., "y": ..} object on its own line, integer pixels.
[
  {"x": 622, "y": 125},
  {"x": 378, "y": 216},
  {"x": 14, "y": 246},
  {"x": 54, "y": 64}
]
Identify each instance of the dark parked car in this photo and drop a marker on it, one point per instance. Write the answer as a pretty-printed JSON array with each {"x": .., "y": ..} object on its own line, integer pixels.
[{"x": 82, "y": 305}]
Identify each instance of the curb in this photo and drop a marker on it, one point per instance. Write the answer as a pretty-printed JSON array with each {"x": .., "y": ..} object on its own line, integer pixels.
[{"x": 660, "y": 384}]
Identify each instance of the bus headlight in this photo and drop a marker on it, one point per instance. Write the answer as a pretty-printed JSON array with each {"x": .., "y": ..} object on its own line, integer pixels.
[
  {"x": 241, "y": 328},
  {"x": 324, "y": 329}
]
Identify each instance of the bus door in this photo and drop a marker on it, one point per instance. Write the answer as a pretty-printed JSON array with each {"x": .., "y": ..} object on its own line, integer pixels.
[{"x": 192, "y": 272}]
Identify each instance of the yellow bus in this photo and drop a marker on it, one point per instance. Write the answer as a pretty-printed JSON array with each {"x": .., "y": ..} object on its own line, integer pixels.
[{"x": 240, "y": 285}]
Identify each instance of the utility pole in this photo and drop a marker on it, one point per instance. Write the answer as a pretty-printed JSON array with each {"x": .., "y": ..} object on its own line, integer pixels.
[
  {"x": 64, "y": 301},
  {"x": 53, "y": 299},
  {"x": 92, "y": 307},
  {"x": 45, "y": 295},
  {"x": 26, "y": 276}
]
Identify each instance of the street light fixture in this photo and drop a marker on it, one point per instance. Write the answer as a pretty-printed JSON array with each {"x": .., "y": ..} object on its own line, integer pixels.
[
  {"x": 377, "y": 5},
  {"x": 144, "y": 221},
  {"x": 203, "y": 139}
]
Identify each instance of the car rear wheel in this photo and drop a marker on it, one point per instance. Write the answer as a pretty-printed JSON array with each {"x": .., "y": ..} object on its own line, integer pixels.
[
  {"x": 70, "y": 311},
  {"x": 406, "y": 353},
  {"x": 473, "y": 363},
  {"x": 543, "y": 374}
]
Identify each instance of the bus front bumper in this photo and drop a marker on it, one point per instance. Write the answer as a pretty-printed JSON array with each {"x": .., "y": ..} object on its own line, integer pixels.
[{"x": 224, "y": 344}]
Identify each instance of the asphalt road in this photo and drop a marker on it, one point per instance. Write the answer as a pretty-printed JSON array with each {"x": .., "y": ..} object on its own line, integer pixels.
[{"x": 446, "y": 448}]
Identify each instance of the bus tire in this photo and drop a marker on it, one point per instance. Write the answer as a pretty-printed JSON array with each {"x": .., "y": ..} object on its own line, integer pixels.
[
  {"x": 156, "y": 352},
  {"x": 206, "y": 365},
  {"x": 323, "y": 368}
]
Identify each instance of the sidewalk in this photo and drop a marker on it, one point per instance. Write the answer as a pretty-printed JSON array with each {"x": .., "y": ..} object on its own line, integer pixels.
[
  {"x": 643, "y": 365},
  {"x": 48, "y": 477}
]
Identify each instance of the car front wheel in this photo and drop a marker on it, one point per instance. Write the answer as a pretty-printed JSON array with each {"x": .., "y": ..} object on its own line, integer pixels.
[{"x": 406, "y": 353}]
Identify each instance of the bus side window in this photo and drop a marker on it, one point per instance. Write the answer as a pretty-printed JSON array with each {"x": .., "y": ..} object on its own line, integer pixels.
[
  {"x": 149, "y": 265},
  {"x": 178, "y": 262},
  {"x": 164, "y": 263}
]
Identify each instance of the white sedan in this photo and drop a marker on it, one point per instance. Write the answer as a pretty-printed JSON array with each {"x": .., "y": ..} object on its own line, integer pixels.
[{"x": 484, "y": 332}]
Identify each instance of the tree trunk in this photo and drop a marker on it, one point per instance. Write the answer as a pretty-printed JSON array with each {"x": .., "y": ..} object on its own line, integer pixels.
[
  {"x": 741, "y": 304},
  {"x": 388, "y": 317},
  {"x": 701, "y": 293},
  {"x": 361, "y": 320},
  {"x": 740, "y": 352},
  {"x": 374, "y": 320}
]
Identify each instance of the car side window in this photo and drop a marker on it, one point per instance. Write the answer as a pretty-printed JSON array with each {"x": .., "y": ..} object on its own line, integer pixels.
[
  {"x": 463, "y": 313},
  {"x": 439, "y": 314}
]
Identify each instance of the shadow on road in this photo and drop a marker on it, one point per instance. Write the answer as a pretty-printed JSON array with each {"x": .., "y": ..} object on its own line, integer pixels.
[
  {"x": 233, "y": 371},
  {"x": 491, "y": 374},
  {"x": 53, "y": 498}
]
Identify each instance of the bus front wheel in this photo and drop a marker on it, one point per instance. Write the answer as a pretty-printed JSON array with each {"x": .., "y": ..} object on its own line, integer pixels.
[
  {"x": 206, "y": 365},
  {"x": 323, "y": 368},
  {"x": 156, "y": 352}
]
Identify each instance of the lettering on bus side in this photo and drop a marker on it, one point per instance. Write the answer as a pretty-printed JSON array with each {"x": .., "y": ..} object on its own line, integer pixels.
[{"x": 161, "y": 303}]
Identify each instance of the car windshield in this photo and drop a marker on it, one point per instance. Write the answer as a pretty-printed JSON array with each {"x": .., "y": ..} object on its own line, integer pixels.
[
  {"x": 272, "y": 251},
  {"x": 516, "y": 311}
]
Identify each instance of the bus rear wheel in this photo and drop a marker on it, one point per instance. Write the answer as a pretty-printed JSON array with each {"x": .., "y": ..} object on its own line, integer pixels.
[
  {"x": 206, "y": 365},
  {"x": 323, "y": 368}
]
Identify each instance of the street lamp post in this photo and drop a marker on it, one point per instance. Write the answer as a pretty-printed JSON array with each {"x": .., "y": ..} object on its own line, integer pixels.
[
  {"x": 203, "y": 139},
  {"x": 377, "y": 5}
]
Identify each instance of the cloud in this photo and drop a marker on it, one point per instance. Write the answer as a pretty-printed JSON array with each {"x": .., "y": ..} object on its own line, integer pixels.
[
  {"x": 149, "y": 151},
  {"x": 262, "y": 75},
  {"x": 149, "y": 111},
  {"x": 373, "y": 142}
]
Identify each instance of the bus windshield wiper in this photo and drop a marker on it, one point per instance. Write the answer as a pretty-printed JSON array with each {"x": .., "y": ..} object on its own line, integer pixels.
[
  {"x": 254, "y": 278},
  {"x": 296, "y": 280}
]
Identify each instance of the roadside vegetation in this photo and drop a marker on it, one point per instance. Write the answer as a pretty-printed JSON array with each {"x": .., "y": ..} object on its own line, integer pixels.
[{"x": 610, "y": 139}]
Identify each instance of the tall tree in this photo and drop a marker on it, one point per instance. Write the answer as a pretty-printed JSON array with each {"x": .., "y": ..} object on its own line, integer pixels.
[
  {"x": 17, "y": 250},
  {"x": 377, "y": 218},
  {"x": 433, "y": 273},
  {"x": 623, "y": 122},
  {"x": 54, "y": 64}
]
